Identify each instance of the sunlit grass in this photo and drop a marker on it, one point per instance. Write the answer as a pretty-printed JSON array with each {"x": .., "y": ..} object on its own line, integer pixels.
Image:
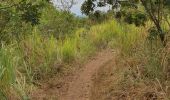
[
  {"x": 39, "y": 55},
  {"x": 8, "y": 64}
]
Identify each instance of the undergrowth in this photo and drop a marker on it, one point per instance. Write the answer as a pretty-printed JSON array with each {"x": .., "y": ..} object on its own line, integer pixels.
[
  {"x": 37, "y": 56},
  {"x": 141, "y": 69}
]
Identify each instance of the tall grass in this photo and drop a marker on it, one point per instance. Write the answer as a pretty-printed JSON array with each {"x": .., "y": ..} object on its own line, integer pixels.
[
  {"x": 8, "y": 63},
  {"x": 68, "y": 50},
  {"x": 143, "y": 62},
  {"x": 39, "y": 56}
]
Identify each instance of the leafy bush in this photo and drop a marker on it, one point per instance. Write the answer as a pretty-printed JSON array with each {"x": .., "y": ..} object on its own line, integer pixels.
[
  {"x": 139, "y": 19},
  {"x": 17, "y": 18},
  {"x": 58, "y": 23}
]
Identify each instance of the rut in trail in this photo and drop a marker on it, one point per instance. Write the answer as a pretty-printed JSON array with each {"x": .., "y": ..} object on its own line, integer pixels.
[{"x": 79, "y": 88}]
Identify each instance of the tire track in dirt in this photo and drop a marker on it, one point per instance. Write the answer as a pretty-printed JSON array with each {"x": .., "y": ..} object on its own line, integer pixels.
[{"x": 80, "y": 86}]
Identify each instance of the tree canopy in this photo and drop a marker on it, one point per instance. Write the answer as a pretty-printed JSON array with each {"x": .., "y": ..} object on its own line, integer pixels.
[
  {"x": 19, "y": 15},
  {"x": 28, "y": 11},
  {"x": 135, "y": 11}
]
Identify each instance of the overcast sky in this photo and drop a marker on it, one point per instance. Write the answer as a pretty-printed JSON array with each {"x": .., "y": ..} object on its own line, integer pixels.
[{"x": 76, "y": 8}]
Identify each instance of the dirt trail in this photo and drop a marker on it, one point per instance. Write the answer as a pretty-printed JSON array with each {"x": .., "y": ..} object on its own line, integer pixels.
[
  {"x": 79, "y": 88},
  {"x": 75, "y": 86}
]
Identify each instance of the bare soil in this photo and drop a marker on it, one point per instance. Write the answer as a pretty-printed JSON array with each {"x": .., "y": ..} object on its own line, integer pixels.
[{"x": 75, "y": 86}]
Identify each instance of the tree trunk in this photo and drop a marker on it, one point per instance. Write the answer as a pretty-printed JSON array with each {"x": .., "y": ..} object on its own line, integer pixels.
[{"x": 156, "y": 21}]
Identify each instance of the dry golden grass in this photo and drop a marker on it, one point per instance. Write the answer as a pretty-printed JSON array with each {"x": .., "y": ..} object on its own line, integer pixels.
[
  {"x": 136, "y": 75},
  {"x": 117, "y": 81}
]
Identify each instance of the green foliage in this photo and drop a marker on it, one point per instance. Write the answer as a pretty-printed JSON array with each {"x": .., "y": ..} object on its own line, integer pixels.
[
  {"x": 38, "y": 53},
  {"x": 8, "y": 63},
  {"x": 153, "y": 33},
  {"x": 99, "y": 16},
  {"x": 88, "y": 7},
  {"x": 156, "y": 10},
  {"x": 18, "y": 17},
  {"x": 46, "y": 38},
  {"x": 127, "y": 10},
  {"x": 68, "y": 50},
  {"x": 54, "y": 22},
  {"x": 136, "y": 18},
  {"x": 29, "y": 12}
]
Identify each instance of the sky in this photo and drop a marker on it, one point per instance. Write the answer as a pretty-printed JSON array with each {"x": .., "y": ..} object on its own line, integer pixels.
[{"x": 76, "y": 8}]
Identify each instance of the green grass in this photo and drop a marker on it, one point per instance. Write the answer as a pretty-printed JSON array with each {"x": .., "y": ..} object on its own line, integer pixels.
[
  {"x": 8, "y": 63},
  {"x": 39, "y": 55},
  {"x": 68, "y": 50},
  {"x": 143, "y": 64}
]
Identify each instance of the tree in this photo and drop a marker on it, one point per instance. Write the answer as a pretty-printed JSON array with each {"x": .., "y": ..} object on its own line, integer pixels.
[
  {"x": 57, "y": 23},
  {"x": 29, "y": 11},
  {"x": 121, "y": 8},
  {"x": 65, "y": 5},
  {"x": 156, "y": 10},
  {"x": 18, "y": 17},
  {"x": 88, "y": 7}
]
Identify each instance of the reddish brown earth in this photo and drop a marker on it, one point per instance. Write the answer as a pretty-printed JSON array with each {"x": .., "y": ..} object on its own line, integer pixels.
[
  {"x": 76, "y": 86},
  {"x": 79, "y": 88}
]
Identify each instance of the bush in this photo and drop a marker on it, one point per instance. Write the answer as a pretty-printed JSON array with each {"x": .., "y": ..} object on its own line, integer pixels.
[{"x": 58, "y": 23}]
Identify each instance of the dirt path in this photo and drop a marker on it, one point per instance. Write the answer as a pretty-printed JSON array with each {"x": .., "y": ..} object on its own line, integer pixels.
[
  {"x": 74, "y": 86},
  {"x": 79, "y": 88}
]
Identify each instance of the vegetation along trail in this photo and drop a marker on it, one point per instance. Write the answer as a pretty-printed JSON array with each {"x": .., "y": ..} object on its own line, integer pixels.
[
  {"x": 79, "y": 88},
  {"x": 84, "y": 49}
]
